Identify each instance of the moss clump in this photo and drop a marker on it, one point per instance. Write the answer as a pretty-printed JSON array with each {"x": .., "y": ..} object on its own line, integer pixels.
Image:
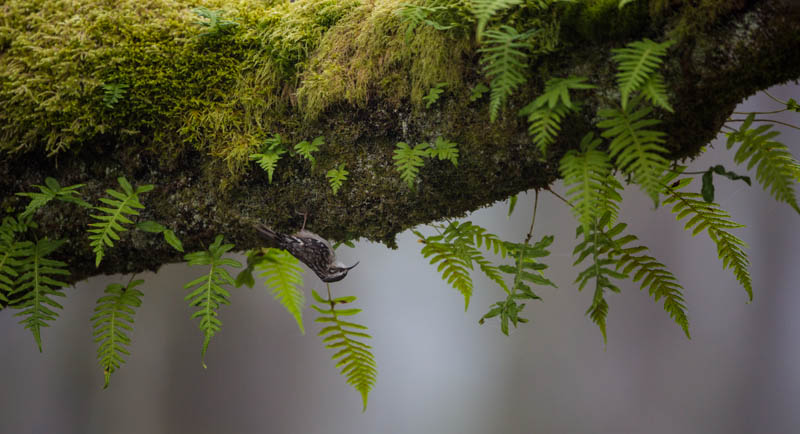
[{"x": 603, "y": 20}]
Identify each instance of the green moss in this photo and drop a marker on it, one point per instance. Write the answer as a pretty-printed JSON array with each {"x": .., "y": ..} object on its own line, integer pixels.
[{"x": 603, "y": 20}]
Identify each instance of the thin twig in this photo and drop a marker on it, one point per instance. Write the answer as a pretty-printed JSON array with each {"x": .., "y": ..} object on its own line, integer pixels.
[{"x": 766, "y": 120}]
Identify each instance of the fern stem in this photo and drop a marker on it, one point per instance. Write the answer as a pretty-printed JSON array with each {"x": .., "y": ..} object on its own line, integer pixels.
[
  {"x": 761, "y": 113},
  {"x": 560, "y": 197},
  {"x": 766, "y": 120},
  {"x": 773, "y": 98}
]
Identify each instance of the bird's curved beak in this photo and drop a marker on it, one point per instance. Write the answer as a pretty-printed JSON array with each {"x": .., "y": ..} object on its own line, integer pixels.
[{"x": 352, "y": 266}]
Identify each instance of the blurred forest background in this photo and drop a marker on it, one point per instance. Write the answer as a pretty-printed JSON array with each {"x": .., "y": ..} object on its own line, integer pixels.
[{"x": 439, "y": 370}]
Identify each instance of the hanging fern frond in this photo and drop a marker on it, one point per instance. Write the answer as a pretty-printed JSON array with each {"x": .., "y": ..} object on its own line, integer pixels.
[
  {"x": 13, "y": 252},
  {"x": 484, "y": 10},
  {"x": 655, "y": 91},
  {"x": 52, "y": 190},
  {"x": 637, "y": 62},
  {"x": 271, "y": 151},
  {"x": 548, "y": 109},
  {"x": 776, "y": 168},
  {"x": 716, "y": 222},
  {"x": 123, "y": 204},
  {"x": 527, "y": 270},
  {"x": 654, "y": 276},
  {"x": 112, "y": 321},
  {"x": 337, "y": 177},
  {"x": 354, "y": 357},
  {"x": 408, "y": 160},
  {"x": 444, "y": 150},
  {"x": 585, "y": 175},
  {"x": 504, "y": 56},
  {"x": 635, "y": 148},
  {"x": 209, "y": 293},
  {"x": 305, "y": 149},
  {"x": 284, "y": 276},
  {"x": 596, "y": 245},
  {"x": 36, "y": 286}
]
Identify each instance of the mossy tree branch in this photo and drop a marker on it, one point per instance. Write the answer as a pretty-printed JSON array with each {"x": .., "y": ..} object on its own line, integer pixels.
[{"x": 723, "y": 54}]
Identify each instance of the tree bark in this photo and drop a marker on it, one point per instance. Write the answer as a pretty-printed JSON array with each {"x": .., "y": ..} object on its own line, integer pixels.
[{"x": 721, "y": 60}]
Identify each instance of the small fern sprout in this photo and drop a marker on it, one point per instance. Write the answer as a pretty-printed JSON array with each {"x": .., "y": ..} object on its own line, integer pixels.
[
  {"x": 216, "y": 25},
  {"x": 408, "y": 160},
  {"x": 52, "y": 190},
  {"x": 158, "y": 228},
  {"x": 337, "y": 177},
  {"x": 208, "y": 293},
  {"x": 433, "y": 94},
  {"x": 113, "y": 93},
  {"x": 305, "y": 148},
  {"x": 444, "y": 149},
  {"x": 270, "y": 153},
  {"x": 110, "y": 223}
]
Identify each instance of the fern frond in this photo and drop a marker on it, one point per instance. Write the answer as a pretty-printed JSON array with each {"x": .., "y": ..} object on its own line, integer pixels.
[
  {"x": 408, "y": 160},
  {"x": 52, "y": 190},
  {"x": 208, "y": 293},
  {"x": 484, "y": 10},
  {"x": 637, "y": 62},
  {"x": 635, "y": 148},
  {"x": 36, "y": 286},
  {"x": 158, "y": 228},
  {"x": 337, "y": 177},
  {"x": 452, "y": 264},
  {"x": 716, "y": 222},
  {"x": 271, "y": 151},
  {"x": 655, "y": 91},
  {"x": 444, "y": 150},
  {"x": 596, "y": 245},
  {"x": 585, "y": 175},
  {"x": 548, "y": 109},
  {"x": 126, "y": 203},
  {"x": 284, "y": 275},
  {"x": 354, "y": 357},
  {"x": 654, "y": 276},
  {"x": 776, "y": 168},
  {"x": 305, "y": 149},
  {"x": 113, "y": 93},
  {"x": 112, "y": 321},
  {"x": 433, "y": 94},
  {"x": 216, "y": 25},
  {"x": 13, "y": 253},
  {"x": 505, "y": 59},
  {"x": 477, "y": 92}
]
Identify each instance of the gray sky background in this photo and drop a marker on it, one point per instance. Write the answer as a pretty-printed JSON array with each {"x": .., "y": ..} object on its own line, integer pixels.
[{"x": 439, "y": 370}]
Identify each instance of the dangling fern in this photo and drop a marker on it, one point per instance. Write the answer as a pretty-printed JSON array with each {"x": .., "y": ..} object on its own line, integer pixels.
[
  {"x": 113, "y": 317},
  {"x": 210, "y": 294},
  {"x": 776, "y": 169},
  {"x": 654, "y": 276},
  {"x": 103, "y": 233},
  {"x": 284, "y": 275},
  {"x": 526, "y": 270},
  {"x": 52, "y": 190},
  {"x": 484, "y": 10},
  {"x": 655, "y": 91},
  {"x": 597, "y": 245},
  {"x": 504, "y": 58},
  {"x": 548, "y": 109},
  {"x": 354, "y": 357},
  {"x": 636, "y": 149},
  {"x": 408, "y": 160},
  {"x": 709, "y": 217},
  {"x": 444, "y": 150},
  {"x": 36, "y": 286},
  {"x": 456, "y": 249},
  {"x": 337, "y": 177},
  {"x": 637, "y": 62},
  {"x": 586, "y": 174},
  {"x": 13, "y": 252},
  {"x": 271, "y": 151},
  {"x": 305, "y": 149}
]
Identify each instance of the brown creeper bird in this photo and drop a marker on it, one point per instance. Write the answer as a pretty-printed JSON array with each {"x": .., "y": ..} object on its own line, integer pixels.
[{"x": 313, "y": 250}]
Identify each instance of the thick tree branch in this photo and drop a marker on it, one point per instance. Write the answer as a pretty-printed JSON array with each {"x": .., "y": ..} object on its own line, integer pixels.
[{"x": 751, "y": 46}]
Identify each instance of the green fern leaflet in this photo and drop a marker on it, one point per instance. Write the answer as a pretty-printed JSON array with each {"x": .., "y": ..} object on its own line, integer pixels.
[
  {"x": 52, "y": 190},
  {"x": 776, "y": 169},
  {"x": 444, "y": 150},
  {"x": 716, "y": 222},
  {"x": 337, "y": 177},
  {"x": 408, "y": 161},
  {"x": 112, "y": 321},
  {"x": 208, "y": 293},
  {"x": 13, "y": 252},
  {"x": 585, "y": 174},
  {"x": 271, "y": 151},
  {"x": 284, "y": 276},
  {"x": 504, "y": 57},
  {"x": 353, "y": 357},
  {"x": 305, "y": 149},
  {"x": 433, "y": 94},
  {"x": 484, "y": 10},
  {"x": 637, "y": 62},
  {"x": 123, "y": 204},
  {"x": 36, "y": 286}
]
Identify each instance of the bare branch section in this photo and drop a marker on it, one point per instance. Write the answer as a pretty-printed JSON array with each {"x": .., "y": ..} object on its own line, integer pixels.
[{"x": 718, "y": 60}]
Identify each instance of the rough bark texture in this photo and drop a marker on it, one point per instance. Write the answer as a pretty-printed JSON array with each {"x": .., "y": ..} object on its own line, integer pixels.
[{"x": 750, "y": 46}]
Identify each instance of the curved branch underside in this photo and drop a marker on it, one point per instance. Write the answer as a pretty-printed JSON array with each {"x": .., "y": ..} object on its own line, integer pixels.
[{"x": 752, "y": 48}]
